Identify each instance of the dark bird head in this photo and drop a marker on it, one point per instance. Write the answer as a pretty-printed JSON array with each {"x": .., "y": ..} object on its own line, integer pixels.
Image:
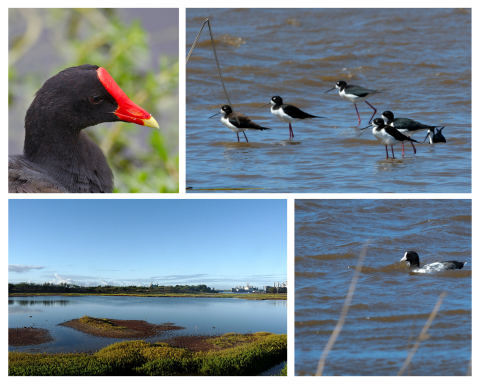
[
  {"x": 339, "y": 85},
  {"x": 388, "y": 116},
  {"x": 377, "y": 123},
  {"x": 225, "y": 110},
  {"x": 70, "y": 101},
  {"x": 412, "y": 258},
  {"x": 79, "y": 97},
  {"x": 277, "y": 100}
]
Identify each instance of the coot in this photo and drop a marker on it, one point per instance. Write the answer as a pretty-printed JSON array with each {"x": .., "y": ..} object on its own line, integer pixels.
[{"x": 414, "y": 260}]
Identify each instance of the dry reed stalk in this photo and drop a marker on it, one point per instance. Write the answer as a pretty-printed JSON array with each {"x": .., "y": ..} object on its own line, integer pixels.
[
  {"x": 207, "y": 21},
  {"x": 422, "y": 334},
  {"x": 343, "y": 314}
]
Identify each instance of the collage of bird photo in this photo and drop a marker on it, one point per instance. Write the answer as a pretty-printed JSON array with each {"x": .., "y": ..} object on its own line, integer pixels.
[{"x": 228, "y": 161}]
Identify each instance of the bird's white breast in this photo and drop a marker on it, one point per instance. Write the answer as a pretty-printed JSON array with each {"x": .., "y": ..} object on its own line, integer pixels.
[
  {"x": 384, "y": 137},
  {"x": 349, "y": 97},
  {"x": 282, "y": 115},
  {"x": 227, "y": 123}
]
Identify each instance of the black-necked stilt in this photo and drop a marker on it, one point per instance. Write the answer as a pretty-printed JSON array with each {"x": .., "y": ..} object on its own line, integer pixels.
[
  {"x": 229, "y": 120},
  {"x": 388, "y": 135},
  {"x": 355, "y": 94},
  {"x": 435, "y": 137},
  {"x": 288, "y": 113},
  {"x": 405, "y": 125}
]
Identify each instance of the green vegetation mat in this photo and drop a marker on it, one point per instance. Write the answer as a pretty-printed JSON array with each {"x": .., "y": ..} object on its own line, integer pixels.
[{"x": 159, "y": 359}]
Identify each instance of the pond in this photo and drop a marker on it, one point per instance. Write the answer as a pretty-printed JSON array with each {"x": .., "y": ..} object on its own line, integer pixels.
[{"x": 206, "y": 316}]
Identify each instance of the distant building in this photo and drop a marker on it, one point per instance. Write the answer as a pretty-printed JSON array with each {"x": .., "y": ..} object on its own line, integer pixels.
[
  {"x": 153, "y": 285},
  {"x": 246, "y": 288}
]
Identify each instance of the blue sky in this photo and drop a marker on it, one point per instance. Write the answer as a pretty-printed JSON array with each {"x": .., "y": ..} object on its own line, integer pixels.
[{"x": 221, "y": 243}]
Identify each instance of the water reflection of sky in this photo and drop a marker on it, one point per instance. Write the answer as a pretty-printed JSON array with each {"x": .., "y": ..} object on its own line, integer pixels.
[{"x": 197, "y": 315}]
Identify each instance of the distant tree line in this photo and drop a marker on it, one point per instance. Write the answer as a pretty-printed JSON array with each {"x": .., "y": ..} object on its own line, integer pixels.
[
  {"x": 72, "y": 288},
  {"x": 277, "y": 290}
]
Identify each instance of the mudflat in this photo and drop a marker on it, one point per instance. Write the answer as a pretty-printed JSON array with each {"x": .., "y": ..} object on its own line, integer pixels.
[
  {"x": 121, "y": 329},
  {"x": 20, "y": 337}
]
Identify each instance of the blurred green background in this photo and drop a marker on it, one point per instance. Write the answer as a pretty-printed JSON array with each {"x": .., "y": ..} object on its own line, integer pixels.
[{"x": 139, "y": 48}]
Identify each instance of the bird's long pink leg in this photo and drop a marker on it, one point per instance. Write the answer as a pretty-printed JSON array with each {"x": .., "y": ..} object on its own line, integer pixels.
[
  {"x": 386, "y": 150},
  {"x": 238, "y": 138},
  {"x": 393, "y": 154},
  {"x": 403, "y": 150},
  {"x": 374, "y": 110},
  {"x": 291, "y": 129},
  {"x": 245, "y": 136},
  {"x": 359, "y": 120},
  {"x": 414, "y": 150}
]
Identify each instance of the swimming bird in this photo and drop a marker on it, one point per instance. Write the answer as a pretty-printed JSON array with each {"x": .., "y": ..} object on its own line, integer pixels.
[
  {"x": 58, "y": 156},
  {"x": 355, "y": 94},
  {"x": 405, "y": 125},
  {"x": 414, "y": 260},
  {"x": 388, "y": 135},
  {"x": 228, "y": 119},
  {"x": 435, "y": 137},
  {"x": 288, "y": 113}
]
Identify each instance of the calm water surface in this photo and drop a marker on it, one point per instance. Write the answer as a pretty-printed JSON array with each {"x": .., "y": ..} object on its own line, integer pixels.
[
  {"x": 390, "y": 305},
  {"x": 210, "y": 315},
  {"x": 423, "y": 71}
]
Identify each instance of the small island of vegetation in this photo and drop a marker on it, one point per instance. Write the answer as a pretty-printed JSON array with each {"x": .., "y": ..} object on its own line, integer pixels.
[{"x": 123, "y": 329}]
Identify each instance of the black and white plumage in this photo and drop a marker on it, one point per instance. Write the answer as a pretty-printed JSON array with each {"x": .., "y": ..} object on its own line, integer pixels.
[
  {"x": 414, "y": 261},
  {"x": 229, "y": 119},
  {"x": 405, "y": 125},
  {"x": 388, "y": 135},
  {"x": 355, "y": 94},
  {"x": 288, "y": 113},
  {"x": 435, "y": 137}
]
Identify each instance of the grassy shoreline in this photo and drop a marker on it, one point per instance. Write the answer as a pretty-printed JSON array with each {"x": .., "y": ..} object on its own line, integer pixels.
[
  {"x": 230, "y": 354},
  {"x": 250, "y": 296}
]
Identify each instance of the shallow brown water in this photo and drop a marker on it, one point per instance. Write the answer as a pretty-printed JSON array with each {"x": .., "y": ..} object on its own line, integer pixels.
[{"x": 423, "y": 71}]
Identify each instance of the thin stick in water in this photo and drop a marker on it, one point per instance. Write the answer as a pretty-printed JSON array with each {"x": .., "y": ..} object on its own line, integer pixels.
[
  {"x": 422, "y": 334},
  {"x": 216, "y": 59},
  {"x": 343, "y": 314}
]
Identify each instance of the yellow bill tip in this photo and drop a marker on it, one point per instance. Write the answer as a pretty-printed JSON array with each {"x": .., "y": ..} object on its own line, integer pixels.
[{"x": 151, "y": 122}]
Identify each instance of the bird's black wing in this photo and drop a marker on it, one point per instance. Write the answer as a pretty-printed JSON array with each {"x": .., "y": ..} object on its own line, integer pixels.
[
  {"x": 295, "y": 112},
  {"x": 245, "y": 122},
  {"x": 438, "y": 137},
  {"x": 453, "y": 264},
  {"x": 359, "y": 91},
  {"x": 398, "y": 135}
]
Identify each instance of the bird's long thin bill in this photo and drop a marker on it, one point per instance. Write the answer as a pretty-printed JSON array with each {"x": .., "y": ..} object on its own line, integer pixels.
[
  {"x": 214, "y": 115},
  {"x": 330, "y": 90},
  {"x": 426, "y": 136},
  {"x": 369, "y": 126},
  {"x": 264, "y": 105}
]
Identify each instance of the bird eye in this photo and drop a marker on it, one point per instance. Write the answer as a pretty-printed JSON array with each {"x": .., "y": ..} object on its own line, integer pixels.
[{"x": 95, "y": 99}]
